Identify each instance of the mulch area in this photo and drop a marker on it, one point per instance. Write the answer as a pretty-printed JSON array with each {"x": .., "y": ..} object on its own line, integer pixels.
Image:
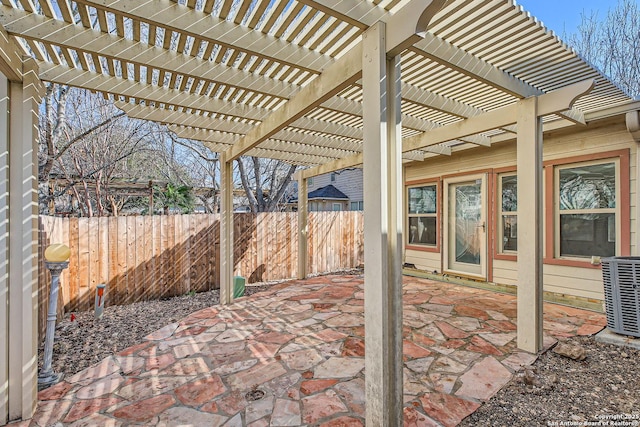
[
  {"x": 603, "y": 389},
  {"x": 86, "y": 340}
]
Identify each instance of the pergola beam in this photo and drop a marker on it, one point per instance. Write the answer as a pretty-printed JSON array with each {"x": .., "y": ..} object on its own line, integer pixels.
[
  {"x": 229, "y": 132},
  {"x": 550, "y": 103},
  {"x": 431, "y": 47},
  {"x": 180, "y": 118},
  {"x": 94, "y": 42},
  {"x": 93, "y": 81},
  {"x": 102, "y": 83},
  {"x": 30, "y": 26},
  {"x": 322, "y": 154},
  {"x": 440, "y": 51},
  {"x": 10, "y": 57},
  {"x": 350, "y": 141},
  {"x": 442, "y": 103},
  {"x": 112, "y": 46},
  {"x": 348, "y": 162},
  {"x": 336, "y": 77},
  {"x": 211, "y": 29},
  {"x": 403, "y": 29}
]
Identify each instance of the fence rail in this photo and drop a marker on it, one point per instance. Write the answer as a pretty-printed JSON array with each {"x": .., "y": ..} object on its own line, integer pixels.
[{"x": 151, "y": 257}]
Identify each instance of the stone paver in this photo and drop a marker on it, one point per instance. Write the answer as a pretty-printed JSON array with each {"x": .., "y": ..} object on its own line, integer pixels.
[
  {"x": 302, "y": 360},
  {"x": 162, "y": 333},
  {"x": 340, "y": 367},
  {"x": 101, "y": 387},
  {"x": 200, "y": 391},
  {"x": 447, "y": 409},
  {"x": 286, "y": 413},
  {"x": 294, "y": 355},
  {"x": 413, "y": 418},
  {"x": 256, "y": 375},
  {"x": 484, "y": 379},
  {"x": 55, "y": 392},
  {"x": 321, "y": 405},
  {"x": 181, "y": 416},
  {"x": 258, "y": 410},
  {"x": 313, "y": 386},
  {"x": 144, "y": 410},
  {"x": 84, "y": 408},
  {"x": 352, "y": 392}
]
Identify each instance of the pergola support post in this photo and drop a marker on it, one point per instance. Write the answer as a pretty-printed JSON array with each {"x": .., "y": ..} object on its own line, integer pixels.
[
  {"x": 383, "y": 280},
  {"x": 302, "y": 227},
  {"x": 632, "y": 120},
  {"x": 226, "y": 230},
  {"x": 4, "y": 249},
  {"x": 22, "y": 274},
  {"x": 530, "y": 230}
]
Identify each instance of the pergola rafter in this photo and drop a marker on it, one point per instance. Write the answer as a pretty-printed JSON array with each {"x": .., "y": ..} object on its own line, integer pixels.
[
  {"x": 71, "y": 36},
  {"x": 325, "y": 84}
]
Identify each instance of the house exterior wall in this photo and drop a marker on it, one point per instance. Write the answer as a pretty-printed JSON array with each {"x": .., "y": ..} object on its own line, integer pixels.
[
  {"x": 327, "y": 205},
  {"x": 349, "y": 181},
  {"x": 579, "y": 278}
]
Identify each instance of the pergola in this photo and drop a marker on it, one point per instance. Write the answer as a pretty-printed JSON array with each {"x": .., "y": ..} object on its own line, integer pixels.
[{"x": 326, "y": 84}]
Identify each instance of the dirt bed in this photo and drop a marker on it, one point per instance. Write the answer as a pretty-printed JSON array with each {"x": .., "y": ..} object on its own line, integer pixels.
[
  {"x": 601, "y": 390},
  {"x": 85, "y": 341}
]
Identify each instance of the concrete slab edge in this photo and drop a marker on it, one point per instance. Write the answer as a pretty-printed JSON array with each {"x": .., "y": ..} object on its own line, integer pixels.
[{"x": 608, "y": 337}]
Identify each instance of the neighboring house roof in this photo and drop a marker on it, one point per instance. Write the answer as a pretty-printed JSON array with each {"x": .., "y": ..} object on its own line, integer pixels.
[{"x": 327, "y": 192}]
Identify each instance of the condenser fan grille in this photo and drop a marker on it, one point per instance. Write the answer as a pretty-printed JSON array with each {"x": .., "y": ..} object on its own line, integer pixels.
[{"x": 621, "y": 276}]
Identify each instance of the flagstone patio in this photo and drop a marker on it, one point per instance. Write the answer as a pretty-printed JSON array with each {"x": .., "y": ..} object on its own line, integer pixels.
[{"x": 293, "y": 355}]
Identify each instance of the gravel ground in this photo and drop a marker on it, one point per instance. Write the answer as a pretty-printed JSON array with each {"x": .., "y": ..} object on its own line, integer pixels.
[
  {"x": 601, "y": 390},
  {"x": 86, "y": 341},
  {"x": 556, "y": 391}
]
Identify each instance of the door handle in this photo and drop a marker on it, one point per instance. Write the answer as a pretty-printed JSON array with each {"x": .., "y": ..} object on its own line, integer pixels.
[{"x": 483, "y": 226}]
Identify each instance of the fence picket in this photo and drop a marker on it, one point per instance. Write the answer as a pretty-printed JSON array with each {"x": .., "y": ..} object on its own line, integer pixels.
[{"x": 149, "y": 257}]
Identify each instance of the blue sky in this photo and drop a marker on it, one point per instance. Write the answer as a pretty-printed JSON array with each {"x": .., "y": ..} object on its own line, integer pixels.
[{"x": 565, "y": 15}]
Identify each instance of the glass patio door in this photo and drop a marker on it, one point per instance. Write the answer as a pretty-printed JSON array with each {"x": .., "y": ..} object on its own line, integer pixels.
[{"x": 466, "y": 227}]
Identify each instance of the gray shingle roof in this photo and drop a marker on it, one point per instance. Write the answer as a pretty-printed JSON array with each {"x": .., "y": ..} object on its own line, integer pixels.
[{"x": 328, "y": 192}]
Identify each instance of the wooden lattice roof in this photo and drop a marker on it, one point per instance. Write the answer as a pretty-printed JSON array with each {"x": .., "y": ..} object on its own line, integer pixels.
[{"x": 214, "y": 70}]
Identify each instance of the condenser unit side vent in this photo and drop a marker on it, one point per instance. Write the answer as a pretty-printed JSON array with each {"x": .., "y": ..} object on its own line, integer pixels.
[{"x": 621, "y": 277}]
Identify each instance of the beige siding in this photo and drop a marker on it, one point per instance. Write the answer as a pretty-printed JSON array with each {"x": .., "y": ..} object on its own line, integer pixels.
[
  {"x": 428, "y": 261},
  {"x": 608, "y": 135},
  {"x": 581, "y": 282},
  {"x": 504, "y": 272}
]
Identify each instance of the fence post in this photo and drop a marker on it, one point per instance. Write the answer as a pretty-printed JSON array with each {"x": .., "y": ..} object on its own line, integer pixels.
[{"x": 302, "y": 226}]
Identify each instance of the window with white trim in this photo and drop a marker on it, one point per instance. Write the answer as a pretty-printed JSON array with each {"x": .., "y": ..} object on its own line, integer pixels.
[
  {"x": 587, "y": 215},
  {"x": 357, "y": 206},
  {"x": 422, "y": 215},
  {"x": 508, "y": 213},
  {"x": 337, "y": 207}
]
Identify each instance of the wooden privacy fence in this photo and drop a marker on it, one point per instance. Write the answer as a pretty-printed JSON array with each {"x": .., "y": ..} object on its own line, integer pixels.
[{"x": 151, "y": 257}]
